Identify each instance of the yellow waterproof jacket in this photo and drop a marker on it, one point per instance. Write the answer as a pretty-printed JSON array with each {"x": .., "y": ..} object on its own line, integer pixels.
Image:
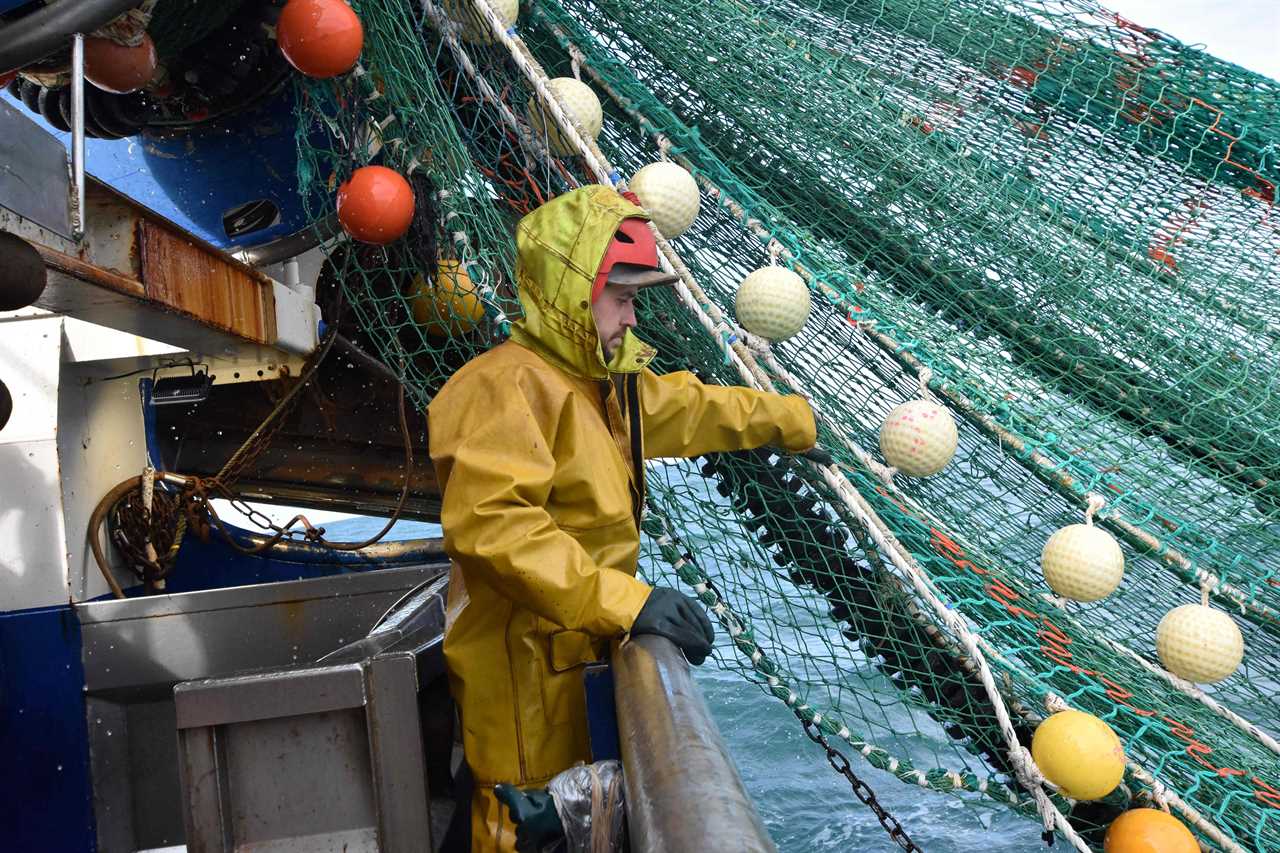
[{"x": 532, "y": 451}]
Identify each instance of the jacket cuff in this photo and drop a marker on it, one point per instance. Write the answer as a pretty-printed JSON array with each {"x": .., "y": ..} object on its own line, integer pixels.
[{"x": 625, "y": 596}]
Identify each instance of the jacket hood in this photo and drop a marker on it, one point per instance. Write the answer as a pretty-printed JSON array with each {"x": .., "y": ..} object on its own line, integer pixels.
[{"x": 559, "y": 248}]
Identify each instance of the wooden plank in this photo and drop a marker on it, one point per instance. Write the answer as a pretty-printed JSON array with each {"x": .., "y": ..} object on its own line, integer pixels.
[{"x": 185, "y": 276}]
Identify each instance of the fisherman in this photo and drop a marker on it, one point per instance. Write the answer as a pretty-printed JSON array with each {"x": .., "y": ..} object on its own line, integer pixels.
[{"x": 538, "y": 447}]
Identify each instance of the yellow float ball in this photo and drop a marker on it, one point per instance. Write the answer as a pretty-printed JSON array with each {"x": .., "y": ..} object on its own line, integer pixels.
[
  {"x": 772, "y": 302},
  {"x": 1199, "y": 643},
  {"x": 669, "y": 194},
  {"x": 476, "y": 29},
  {"x": 449, "y": 305},
  {"x": 1082, "y": 562},
  {"x": 580, "y": 102},
  {"x": 918, "y": 438},
  {"x": 1079, "y": 753},
  {"x": 1148, "y": 831}
]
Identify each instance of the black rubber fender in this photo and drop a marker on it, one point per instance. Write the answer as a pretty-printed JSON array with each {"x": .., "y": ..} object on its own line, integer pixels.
[{"x": 47, "y": 106}]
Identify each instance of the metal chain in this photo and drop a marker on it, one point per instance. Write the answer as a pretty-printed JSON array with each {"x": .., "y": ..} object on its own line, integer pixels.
[{"x": 861, "y": 789}]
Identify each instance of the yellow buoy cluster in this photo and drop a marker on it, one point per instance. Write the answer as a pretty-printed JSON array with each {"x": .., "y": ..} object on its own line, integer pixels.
[{"x": 1082, "y": 756}]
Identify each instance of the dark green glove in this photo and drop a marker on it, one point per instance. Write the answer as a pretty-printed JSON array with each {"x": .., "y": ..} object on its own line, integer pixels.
[
  {"x": 680, "y": 619},
  {"x": 534, "y": 814},
  {"x": 817, "y": 454}
]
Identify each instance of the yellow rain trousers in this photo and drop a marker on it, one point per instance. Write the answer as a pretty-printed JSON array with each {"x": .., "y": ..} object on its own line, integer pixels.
[{"x": 531, "y": 448}]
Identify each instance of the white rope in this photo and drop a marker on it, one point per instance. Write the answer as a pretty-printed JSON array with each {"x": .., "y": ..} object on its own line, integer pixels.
[
  {"x": 148, "y": 497},
  {"x": 1206, "y": 587},
  {"x": 1095, "y": 505},
  {"x": 924, "y": 376}
]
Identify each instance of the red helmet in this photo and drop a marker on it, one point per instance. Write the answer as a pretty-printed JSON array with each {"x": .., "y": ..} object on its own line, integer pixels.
[{"x": 634, "y": 248}]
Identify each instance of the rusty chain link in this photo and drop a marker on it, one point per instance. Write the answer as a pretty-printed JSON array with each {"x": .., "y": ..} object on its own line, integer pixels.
[{"x": 861, "y": 789}]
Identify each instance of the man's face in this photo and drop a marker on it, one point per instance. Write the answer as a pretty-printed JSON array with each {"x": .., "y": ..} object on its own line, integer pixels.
[{"x": 614, "y": 313}]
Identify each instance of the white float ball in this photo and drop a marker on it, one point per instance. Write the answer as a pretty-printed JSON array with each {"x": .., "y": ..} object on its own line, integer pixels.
[
  {"x": 918, "y": 438},
  {"x": 475, "y": 29},
  {"x": 1199, "y": 643},
  {"x": 1082, "y": 562},
  {"x": 772, "y": 302},
  {"x": 579, "y": 101},
  {"x": 670, "y": 195}
]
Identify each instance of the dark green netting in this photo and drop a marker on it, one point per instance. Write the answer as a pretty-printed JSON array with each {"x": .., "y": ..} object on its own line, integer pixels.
[{"x": 1067, "y": 219}]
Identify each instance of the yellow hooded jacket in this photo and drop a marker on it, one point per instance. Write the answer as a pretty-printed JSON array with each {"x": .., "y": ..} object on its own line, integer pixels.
[{"x": 531, "y": 449}]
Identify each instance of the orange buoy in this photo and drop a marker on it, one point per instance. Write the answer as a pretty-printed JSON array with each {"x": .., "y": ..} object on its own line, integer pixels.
[
  {"x": 375, "y": 205},
  {"x": 1148, "y": 831},
  {"x": 119, "y": 69},
  {"x": 320, "y": 38}
]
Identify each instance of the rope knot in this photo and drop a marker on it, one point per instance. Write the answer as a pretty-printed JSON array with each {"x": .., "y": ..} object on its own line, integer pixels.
[{"x": 1096, "y": 503}]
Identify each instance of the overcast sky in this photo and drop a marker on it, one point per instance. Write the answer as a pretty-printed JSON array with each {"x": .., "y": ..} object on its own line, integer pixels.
[{"x": 1246, "y": 32}]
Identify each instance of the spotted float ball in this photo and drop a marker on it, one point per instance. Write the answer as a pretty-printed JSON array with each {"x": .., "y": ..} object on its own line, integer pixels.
[
  {"x": 1199, "y": 643},
  {"x": 1082, "y": 562},
  {"x": 669, "y": 194},
  {"x": 918, "y": 438},
  {"x": 117, "y": 68},
  {"x": 475, "y": 29},
  {"x": 580, "y": 102},
  {"x": 320, "y": 38},
  {"x": 1079, "y": 753},
  {"x": 449, "y": 305},
  {"x": 772, "y": 302},
  {"x": 1148, "y": 831},
  {"x": 375, "y": 205}
]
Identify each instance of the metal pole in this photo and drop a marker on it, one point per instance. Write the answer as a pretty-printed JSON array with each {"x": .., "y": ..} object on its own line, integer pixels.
[
  {"x": 77, "y": 135},
  {"x": 682, "y": 789}
]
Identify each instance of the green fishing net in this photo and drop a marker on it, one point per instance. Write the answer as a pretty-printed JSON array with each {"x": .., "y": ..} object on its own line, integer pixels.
[{"x": 1060, "y": 220}]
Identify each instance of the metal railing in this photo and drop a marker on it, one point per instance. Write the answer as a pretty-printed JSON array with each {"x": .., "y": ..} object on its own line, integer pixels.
[{"x": 683, "y": 792}]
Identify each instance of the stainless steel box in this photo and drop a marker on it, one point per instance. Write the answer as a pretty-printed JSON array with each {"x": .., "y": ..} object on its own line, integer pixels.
[{"x": 320, "y": 757}]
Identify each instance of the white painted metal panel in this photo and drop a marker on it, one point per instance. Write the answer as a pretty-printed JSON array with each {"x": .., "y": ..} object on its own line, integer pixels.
[
  {"x": 33, "y": 554},
  {"x": 101, "y": 443},
  {"x": 30, "y": 352}
]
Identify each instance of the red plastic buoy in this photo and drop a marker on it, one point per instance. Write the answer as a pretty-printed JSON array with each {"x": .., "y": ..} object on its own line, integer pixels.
[
  {"x": 375, "y": 205},
  {"x": 320, "y": 38},
  {"x": 118, "y": 69}
]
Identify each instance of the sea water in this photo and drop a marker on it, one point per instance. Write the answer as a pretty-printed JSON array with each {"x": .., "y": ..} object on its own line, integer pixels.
[{"x": 805, "y": 804}]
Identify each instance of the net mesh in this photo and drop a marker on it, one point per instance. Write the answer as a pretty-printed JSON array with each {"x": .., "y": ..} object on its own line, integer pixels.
[{"x": 1061, "y": 221}]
